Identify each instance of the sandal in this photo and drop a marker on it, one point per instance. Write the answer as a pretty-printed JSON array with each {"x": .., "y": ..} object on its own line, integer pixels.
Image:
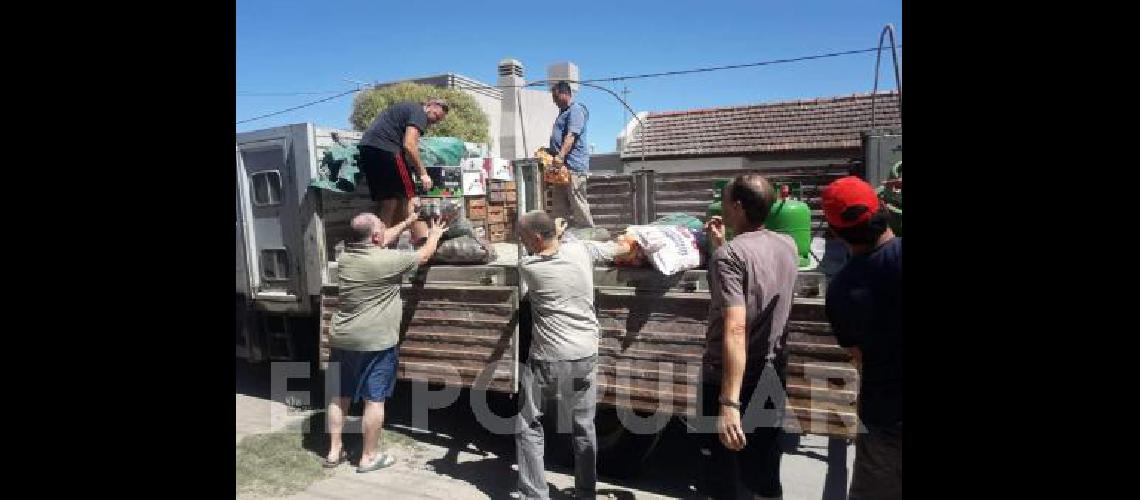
[
  {"x": 329, "y": 464},
  {"x": 384, "y": 460}
]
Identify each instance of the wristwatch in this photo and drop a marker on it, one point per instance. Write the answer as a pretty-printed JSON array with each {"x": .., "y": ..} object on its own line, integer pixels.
[{"x": 731, "y": 404}]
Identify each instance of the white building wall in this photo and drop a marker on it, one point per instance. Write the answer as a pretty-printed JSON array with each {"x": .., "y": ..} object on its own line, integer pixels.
[{"x": 491, "y": 107}]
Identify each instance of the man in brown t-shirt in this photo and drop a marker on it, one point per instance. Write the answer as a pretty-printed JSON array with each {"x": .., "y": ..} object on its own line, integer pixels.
[{"x": 752, "y": 279}]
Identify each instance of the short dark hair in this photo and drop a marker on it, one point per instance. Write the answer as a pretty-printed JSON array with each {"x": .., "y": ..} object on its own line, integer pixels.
[
  {"x": 755, "y": 194},
  {"x": 562, "y": 87},
  {"x": 867, "y": 233},
  {"x": 439, "y": 102},
  {"x": 540, "y": 223}
]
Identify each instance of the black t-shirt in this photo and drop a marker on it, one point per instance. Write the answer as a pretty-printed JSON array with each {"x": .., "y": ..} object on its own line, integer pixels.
[
  {"x": 864, "y": 306},
  {"x": 387, "y": 130}
]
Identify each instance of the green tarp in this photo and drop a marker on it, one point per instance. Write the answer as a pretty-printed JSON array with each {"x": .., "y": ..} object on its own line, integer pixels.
[
  {"x": 338, "y": 170},
  {"x": 441, "y": 151}
]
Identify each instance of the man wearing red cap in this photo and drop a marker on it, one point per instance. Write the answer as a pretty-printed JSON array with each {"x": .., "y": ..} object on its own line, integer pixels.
[{"x": 864, "y": 307}]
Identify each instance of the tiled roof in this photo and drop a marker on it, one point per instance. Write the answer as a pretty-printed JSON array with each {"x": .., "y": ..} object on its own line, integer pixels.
[{"x": 823, "y": 123}]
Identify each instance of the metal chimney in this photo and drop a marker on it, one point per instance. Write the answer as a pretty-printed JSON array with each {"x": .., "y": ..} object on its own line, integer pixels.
[
  {"x": 563, "y": 71},
  {"x": 510, "y": 123}
]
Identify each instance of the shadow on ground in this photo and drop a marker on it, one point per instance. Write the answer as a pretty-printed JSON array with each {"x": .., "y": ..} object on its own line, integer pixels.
[{"x": 671, "y": 470}]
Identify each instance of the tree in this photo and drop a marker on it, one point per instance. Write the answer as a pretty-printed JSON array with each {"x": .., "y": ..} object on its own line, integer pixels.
[{"x": 465, "y": 119}]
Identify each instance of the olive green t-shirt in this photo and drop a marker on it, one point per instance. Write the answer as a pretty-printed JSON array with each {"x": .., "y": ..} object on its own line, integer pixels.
[{"x": 370, "y": 304}]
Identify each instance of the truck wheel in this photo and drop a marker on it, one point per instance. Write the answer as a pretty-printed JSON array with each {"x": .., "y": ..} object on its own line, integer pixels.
[{"x": 621, "y": 452}]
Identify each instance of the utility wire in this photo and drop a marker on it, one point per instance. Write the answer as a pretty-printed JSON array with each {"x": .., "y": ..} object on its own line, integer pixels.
[
  {"x": 283, "y": 94},
  {"x": 267, "y": 115},
  {"x": 608, "y": 79}
]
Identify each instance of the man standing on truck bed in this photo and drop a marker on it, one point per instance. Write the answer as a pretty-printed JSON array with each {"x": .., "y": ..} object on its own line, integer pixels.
[
  {"x": 864, "y": 307},
  {"x": 562, "y": 364},
  {"x": 366, "y": 329},
  {"x": 568, "y": 142},
  {"x": 752, "y": 280},
  {"x": 389, "y": 151}
]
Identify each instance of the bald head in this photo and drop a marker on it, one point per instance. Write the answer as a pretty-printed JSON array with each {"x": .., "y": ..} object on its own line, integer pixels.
[
  {"x": 755, "y": 195},
  {"x": 539, "y": 223},
  {"x": 364, "y": 226}
]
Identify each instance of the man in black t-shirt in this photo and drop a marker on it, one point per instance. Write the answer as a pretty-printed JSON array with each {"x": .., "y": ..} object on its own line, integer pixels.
[
  {"x": 389, "y": 151},
  {"x": 864, "y": 307}
]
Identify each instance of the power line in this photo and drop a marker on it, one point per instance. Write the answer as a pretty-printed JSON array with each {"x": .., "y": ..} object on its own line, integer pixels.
[
  {"x": 282, "y": 94},
  {"x": 267, "y": 115},
  {"x": 732, "y": 66},
  {"x": 611, "y": 79}
]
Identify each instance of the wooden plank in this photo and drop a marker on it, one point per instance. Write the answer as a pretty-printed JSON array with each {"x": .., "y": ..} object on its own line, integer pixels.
[
  {"x": 821, "y": 392},
  {"x": 822, "y": 370},
  {"x": 420, "y": 347},
  {"x": 632, "y": 344},
  {"x": 617, "y": 353},
  {"x": 821, "y": 352},
  {"x": 676, "y": 372},
  {"x": 471, "y": 358}
]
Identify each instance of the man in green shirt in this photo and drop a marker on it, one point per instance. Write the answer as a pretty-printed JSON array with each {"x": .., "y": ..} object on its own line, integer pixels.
[{"x": 366, "y": 329}]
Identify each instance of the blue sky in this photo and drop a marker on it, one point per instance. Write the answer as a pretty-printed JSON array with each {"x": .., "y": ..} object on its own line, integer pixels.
[{"x": 293, "y": 46}]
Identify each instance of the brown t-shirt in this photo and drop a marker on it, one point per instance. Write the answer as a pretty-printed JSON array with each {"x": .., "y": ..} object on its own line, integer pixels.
[{"x": 750, "y": 271}]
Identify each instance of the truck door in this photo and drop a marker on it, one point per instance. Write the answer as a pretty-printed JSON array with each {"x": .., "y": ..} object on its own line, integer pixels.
[{"x": 265, "y": 181}]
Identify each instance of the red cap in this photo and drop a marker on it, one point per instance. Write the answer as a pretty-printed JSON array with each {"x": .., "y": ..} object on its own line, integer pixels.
[{"x": 848, "y": 202}]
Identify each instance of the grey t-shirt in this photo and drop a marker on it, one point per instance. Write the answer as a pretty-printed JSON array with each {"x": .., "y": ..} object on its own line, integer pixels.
[
  {"x": 561, "y": 289},
  {"x": 387, "y": 130},
  {"x": 750, "y": 271},
  {"x": 370, "y": 304}
]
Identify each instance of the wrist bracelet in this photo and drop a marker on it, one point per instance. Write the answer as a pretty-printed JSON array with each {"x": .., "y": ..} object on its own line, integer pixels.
[{"x": 730, "y": 404}]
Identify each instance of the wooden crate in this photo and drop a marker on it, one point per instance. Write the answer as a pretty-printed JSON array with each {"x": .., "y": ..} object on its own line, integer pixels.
[
  {"x": 475, "y": 207},
  {"x": 494, "y": 185},
  {"x": 496, "y": 213},
  {"x": 476, "y": 202},
  {"x": 500, "y": 236}
]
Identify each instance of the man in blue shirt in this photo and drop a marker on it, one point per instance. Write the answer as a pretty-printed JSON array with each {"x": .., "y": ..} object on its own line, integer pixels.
[
  {"x": 568, "y": 141},
  {"x": 864, "y": 307}
]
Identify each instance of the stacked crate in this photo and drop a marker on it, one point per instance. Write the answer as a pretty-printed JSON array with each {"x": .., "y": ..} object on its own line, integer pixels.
[
  {"x": 475, "y": 207},
  {"x": 502, "y": 210}
]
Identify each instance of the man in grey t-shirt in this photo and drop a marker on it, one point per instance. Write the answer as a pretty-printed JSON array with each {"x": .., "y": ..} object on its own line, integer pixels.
[
  {"x": 752, "y": 280},
  {"x": 562, "y": 366}
]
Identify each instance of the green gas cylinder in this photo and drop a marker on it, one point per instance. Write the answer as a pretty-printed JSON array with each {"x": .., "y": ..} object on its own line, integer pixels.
[{"x": 793, "y": 218}]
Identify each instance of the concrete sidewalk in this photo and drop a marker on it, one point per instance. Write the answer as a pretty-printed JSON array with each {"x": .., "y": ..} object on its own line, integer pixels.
[
  {"x": 457, "y": 460},
  {"x": 258, "y": 416}
]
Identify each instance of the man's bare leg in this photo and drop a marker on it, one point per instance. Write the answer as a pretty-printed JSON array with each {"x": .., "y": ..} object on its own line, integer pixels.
[
  {"x": 338, "y": 407},
  {"x": 419, "y": 228},
  {"x": 373, "y": 421},
  {"x": 389, "y": 211}
]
